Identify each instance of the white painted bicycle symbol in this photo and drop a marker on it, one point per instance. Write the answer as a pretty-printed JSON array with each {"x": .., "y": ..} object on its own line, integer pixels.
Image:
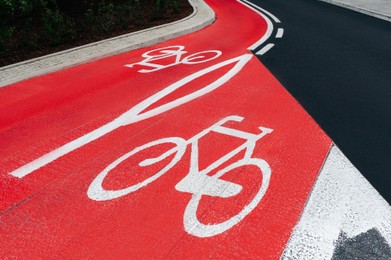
[
  {"x": 170, "y": 56},
  {"x": 197, "y": 181}
]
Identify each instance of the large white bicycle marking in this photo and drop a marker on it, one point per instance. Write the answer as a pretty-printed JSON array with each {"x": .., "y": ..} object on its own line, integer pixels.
[
  {"x": 136, "y": 114},
  {"x": 156, "y": 59},
  {"x": 197, "y": 182}
]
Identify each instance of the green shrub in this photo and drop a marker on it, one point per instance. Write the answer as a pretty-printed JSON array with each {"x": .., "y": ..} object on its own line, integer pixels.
[
  {"x": 25, "y": 6},
  {"x": 53, "y": 23},
  {"x": 175, "y": 6},
  {"x": 6, "y": 34},
  {"x": 161, "y": 5},
  {"x": 89, "y": 18},
  {"x": 106, "y": 16},
  {"x": 29, "y": 40}
]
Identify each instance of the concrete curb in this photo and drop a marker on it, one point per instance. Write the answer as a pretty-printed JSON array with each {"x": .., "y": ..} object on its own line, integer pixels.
[
  {"x": 359, "y": 9},
  {"x": 201, "y": 17}
]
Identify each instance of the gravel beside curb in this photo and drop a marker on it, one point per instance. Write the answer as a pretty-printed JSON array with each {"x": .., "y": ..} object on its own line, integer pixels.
[
  {"x": 370, "y": 8},
  {"x": 201, "y": 17}
]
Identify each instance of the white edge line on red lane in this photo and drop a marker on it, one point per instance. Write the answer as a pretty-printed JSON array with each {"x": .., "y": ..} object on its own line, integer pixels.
[
  {"x": 269, "y": 29},
  {"x": 264, "y": 11}
]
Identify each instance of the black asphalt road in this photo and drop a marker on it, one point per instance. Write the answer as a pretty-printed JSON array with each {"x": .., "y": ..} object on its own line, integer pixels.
[{"x": 337, "y": 64}]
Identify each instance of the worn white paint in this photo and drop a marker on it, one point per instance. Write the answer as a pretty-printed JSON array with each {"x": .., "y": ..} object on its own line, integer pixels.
[
  {"x": 197, "y": 181},
  {"x": 136, "y": 113},
  {"x": 342, "y": 200}
]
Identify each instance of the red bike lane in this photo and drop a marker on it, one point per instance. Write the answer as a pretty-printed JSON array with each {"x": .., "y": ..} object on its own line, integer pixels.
[{"x": 72, "y": 141}]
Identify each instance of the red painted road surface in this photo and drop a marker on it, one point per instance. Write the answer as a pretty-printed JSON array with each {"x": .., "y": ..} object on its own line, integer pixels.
[{"x": 202, "y": 198}]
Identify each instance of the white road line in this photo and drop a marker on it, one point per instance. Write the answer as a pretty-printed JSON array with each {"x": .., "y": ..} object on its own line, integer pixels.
[
  {"x": 269, "y": 29},
  {"x": 342, "y": 200},
  {"x": 265, "y": 49},
  {"x": 280, "y": 33},
  {"x": 263, "y": 10}
]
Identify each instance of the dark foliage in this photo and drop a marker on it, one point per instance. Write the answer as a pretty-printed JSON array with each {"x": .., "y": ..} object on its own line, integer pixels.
[{"x": 30, "y": 28}]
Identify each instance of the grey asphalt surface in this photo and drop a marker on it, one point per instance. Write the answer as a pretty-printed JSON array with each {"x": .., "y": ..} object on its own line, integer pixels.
[{"x": 337, "y": 64}]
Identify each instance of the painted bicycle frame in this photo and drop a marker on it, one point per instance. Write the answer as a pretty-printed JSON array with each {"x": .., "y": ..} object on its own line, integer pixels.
[{"x": 197, "y": 182}]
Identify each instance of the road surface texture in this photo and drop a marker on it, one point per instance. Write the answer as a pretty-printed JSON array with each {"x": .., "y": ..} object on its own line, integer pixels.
[
  {"x": 376, "y": 8},
  {"x": 190, "y": 148},
  {"x": 337, "y": 64}
]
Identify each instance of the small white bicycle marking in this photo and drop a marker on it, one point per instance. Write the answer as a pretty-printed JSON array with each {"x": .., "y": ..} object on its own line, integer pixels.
[
  {"x": 157, "y": 59},
  {"x": 197, "y": 182}
]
